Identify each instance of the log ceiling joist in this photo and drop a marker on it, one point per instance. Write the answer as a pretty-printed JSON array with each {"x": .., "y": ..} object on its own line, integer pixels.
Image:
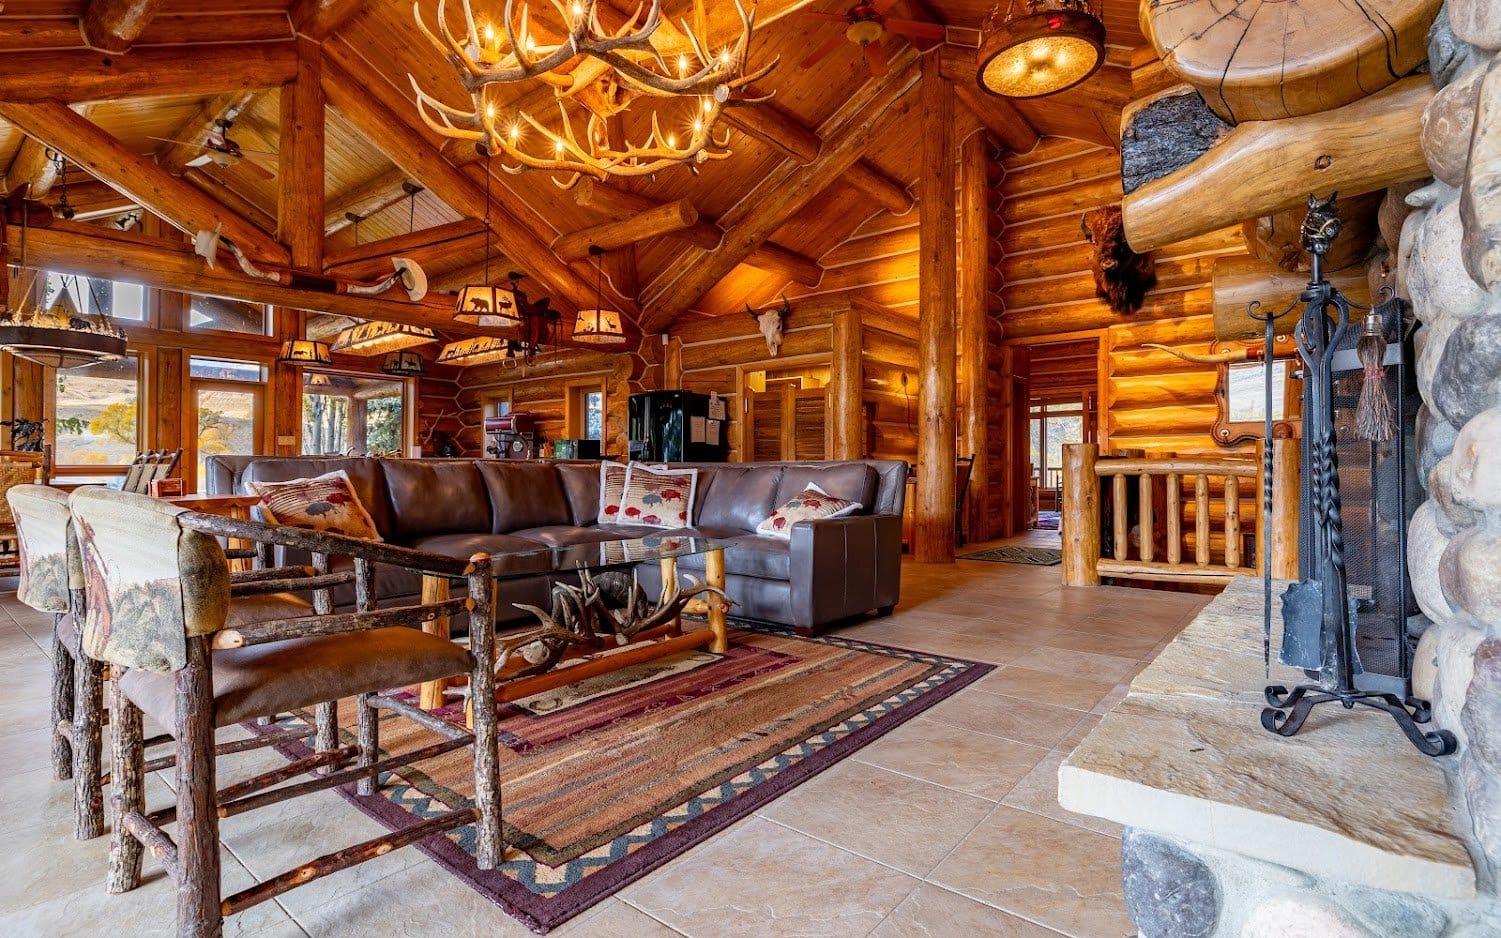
[
  {"x": 649, "y": 223},
  {"x": 147, "y": 184},
  {"x": 846, "y": 136},
  {"x": 319, "y": 19},
  {"x": 83, "y": 75},
  {"x": 364, "y": 200},
  {"x": 169, "y": 264},
  {"x": 516, "y": 236},
  {"x": 33, "y": 166},
  {"x": 113, "y": 25},
  {"x": 232, "y": 200},
  {"x": 425, "y": 246}
]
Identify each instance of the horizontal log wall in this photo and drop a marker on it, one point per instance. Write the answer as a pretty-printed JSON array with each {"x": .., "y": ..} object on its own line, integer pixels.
[
  {"x": 541, "y": 389},
  {"x": 1149, "y": 400},
  {"x": 888, "y": 353}
]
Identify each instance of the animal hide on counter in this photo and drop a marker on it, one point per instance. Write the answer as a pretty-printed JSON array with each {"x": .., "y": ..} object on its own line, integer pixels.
[{"x": 1121, "y": 276}]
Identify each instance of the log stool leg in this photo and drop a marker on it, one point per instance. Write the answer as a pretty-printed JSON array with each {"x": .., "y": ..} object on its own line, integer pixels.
[
  {"x": 369, "y": 742},
  {"x": 127, "y": 789},
  {"x": 62, "y": 705},
  {"x": 88, "y": 727},
  {"x": 327, "y": 718},
  {"x": 483, "y": 592},
  {"x": 199, "y": 914}
]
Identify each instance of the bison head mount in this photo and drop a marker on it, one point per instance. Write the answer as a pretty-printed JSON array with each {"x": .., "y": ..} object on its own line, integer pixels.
[
  {"x": 1121, "y": 276},
  {"x": 772, "y": 322}
]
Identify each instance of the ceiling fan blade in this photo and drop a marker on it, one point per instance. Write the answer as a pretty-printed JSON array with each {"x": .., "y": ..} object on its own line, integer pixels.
[
  {"x": 202, "y": 159},
  {"x": 823, "y": 51},
  {"x": 826, "y": 17},
  {"x": 915, "y": 29},
  {"x": 256, "y": 169},
  {"x": 184, "y": 143},
  {"x": 875, "y": 58}
]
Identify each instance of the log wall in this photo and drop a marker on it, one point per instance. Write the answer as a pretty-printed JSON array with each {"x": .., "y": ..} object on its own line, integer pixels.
[
  {"x": 888, "y": 389},
  {"x": 1148, "y": 400}
]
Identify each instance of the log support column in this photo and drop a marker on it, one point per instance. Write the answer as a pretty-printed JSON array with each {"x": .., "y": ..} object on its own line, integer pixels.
[
  {"x": 846, "y": 381},
  {"x": 933, "y": 526},
  {"x": 1081, "y": 515},
  {"x": 974, "y": 316}
]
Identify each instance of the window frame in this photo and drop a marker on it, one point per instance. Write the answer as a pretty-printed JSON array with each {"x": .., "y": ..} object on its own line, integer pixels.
[
  {"x": 145, "y": 404},
  {"x": 576, "y": 418},
  {"x": 410, "y": 401}
]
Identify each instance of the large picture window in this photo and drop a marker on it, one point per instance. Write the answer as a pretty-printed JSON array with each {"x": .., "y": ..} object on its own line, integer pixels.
[
  {"x": 216, "y": 312},
  {"x": 97, "y": 420},
  {"x": 352, "y": 414}
]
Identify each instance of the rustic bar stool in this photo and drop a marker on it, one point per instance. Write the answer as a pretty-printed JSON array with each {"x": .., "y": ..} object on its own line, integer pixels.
[
  {"x": 51, "y": 580},
  {"x": 158, "y": 595}
]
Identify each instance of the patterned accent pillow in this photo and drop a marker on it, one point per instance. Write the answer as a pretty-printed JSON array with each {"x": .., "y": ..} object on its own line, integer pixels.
[
  {"x": 322, "y": 503},
  {"x": 611, "y": 491},
  {"x": 657, "y": 496},
  {"x": 811, "y": 504}
]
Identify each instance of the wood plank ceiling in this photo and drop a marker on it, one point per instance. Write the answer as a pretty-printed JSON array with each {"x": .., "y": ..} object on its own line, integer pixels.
[{"x": 374, "y": 47}]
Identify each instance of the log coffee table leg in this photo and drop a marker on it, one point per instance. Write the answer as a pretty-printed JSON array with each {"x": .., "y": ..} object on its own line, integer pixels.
[
  {"x": 670, "y": 577},
  {"x": 434, "y": 590},
  {"x": 714, "y": 576}
]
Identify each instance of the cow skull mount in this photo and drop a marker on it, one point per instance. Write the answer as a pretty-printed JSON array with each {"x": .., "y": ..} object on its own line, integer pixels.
[{"x": 772, "y": 322}]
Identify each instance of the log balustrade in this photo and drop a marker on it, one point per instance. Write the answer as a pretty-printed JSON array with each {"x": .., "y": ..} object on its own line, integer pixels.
[{"x": 1208, "y": 504}]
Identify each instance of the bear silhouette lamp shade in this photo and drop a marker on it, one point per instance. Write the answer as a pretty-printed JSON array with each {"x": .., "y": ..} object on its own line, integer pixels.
[{"x": 1031, "y": 48}]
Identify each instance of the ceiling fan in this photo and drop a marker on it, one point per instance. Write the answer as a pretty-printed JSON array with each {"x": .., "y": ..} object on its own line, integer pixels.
[
  {"x": 221, "y": 150},
  {"x": 866, "y": 25}
]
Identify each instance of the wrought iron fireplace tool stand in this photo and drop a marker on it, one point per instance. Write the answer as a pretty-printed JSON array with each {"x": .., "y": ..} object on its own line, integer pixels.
[{"x": 1317, "y": 618}]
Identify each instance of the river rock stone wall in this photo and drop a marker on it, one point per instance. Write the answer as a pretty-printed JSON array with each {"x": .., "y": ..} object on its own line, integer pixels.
[{"x": 1447, "y": 263}]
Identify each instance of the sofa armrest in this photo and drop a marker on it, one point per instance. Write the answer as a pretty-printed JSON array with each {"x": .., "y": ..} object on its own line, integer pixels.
[{"x": 844, "y": 566}]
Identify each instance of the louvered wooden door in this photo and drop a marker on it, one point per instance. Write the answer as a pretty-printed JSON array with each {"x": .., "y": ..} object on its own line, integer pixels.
[{"x": 787, "y": 423}]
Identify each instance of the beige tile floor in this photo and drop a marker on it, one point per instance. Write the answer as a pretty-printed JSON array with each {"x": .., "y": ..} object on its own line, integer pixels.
[{"x": 948, "y": 826}]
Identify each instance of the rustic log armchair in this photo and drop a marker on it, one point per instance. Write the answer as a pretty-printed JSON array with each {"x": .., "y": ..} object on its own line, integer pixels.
[
  {"x": 51, "y": 580},
  {"x": 158, "y": 590}
]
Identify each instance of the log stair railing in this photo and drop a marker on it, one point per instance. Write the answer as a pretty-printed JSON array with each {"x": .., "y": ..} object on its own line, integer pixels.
[{"x": 1206, "y": 503}]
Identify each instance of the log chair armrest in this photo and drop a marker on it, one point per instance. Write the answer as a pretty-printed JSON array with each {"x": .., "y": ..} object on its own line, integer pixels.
[
  {"x": 844, "y": 566},
  {"x": 324, "y": 542}
]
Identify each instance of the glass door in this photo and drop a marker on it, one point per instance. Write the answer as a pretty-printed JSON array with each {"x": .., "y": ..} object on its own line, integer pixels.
[{"x": 230, "y": 422}]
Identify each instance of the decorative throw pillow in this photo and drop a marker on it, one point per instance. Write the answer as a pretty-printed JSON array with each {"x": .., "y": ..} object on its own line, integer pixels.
[
  {"x": 657, "y": 496},
  {"x": 811, "y": 504},
  {"x": 322, "y": 503},
  {"x": 611, "y": 491}
]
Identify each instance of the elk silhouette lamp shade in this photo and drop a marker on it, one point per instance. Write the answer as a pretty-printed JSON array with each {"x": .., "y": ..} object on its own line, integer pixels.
[
  {"x": 378, "y": 337},
  {"x": 305, "y": 352},
  {"x": 598, "y": 327},
  {"x": 404, "y": 363},
  {"x": 1031, "y": 48},
  {"x": 488, "y": 306}
]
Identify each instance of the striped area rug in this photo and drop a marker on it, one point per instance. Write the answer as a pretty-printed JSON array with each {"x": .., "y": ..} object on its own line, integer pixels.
[{"x": 610, "y": 778}]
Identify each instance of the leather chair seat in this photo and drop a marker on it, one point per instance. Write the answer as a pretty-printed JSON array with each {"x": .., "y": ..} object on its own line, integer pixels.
[{"x": 299, "y": 672}]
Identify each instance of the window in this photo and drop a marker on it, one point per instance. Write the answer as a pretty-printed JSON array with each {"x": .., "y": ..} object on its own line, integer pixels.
[
  {"x": 1054, "y": 424},
  {"x": 124, "y": 301},
  {"x": 586, "y": 412},
  {"x": 216, "y": 312},
  {"x": 344, "y": 413},
  {"x": 97, "y": 421},
  {"x": 226, "y": 369},
  {"x": 228, "y": 400}
]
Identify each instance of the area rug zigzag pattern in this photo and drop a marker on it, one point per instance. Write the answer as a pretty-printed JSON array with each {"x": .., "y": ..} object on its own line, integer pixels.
[{"x": 600, "y": 792}]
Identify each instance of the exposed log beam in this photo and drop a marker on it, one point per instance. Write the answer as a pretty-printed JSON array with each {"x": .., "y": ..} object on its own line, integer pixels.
[
  {"x": 1000, "y": 117},
  {"x": 193, "y": 131},
  {"x": 365, "y": 200},
  {"x": 94, "y": 251},
  {"x": 92, "y": 199},
  {"x": 113, "y": 25},
  {"x": 83, "y": 75},
  {"x": 319, "y": 19},
  {"x": 31, "y": 166},
  {"x": 933, "y": 518},
  {"x": 1262, "y": 167},
  {"x": 622, "y": 203},
  {"x": 232, "y": 201},
  {"x": 403, "y": 245},
  {"x": 410, "y": 150},
  {"x": 774, "y": 126},
  {"x": 299, "y": 208},
  {"x": 147, "y": 184},
  {"x": 787, "y": 188},
  {"x": 775, "y": 259},
  {"x": 651, "y": 223}
]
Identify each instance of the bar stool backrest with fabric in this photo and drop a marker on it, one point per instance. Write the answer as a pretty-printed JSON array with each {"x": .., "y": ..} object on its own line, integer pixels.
[{"x": 159, "y": 589}]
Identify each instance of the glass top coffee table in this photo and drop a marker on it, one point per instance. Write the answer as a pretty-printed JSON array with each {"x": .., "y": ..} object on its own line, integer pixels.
[{"x": 599, "y": 609}]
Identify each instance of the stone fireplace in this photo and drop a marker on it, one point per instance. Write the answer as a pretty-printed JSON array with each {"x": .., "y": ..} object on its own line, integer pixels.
[{"x": 1345, "y": 830}]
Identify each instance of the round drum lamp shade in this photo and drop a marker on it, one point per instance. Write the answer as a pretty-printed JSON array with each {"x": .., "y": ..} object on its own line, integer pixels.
[
  {"x": 598, "y": 327},
  {"x": 61, "y": 346},
  {"x": 305, "y": 352},
  {"x": 1032, "y": 48}
]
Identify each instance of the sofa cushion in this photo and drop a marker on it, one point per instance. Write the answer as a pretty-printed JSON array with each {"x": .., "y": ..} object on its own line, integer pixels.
[
  {"x": 296, "y": 673},
  {"x": 432, "y": 496},
  {"x": 322, "y": 503},
  {"x": 767, "y": 558},
  {"x": 581, "y": 488},
  {"x": 524, "y": 495},
  {"x": 563, "y": 535},
  {"x": 467, "y": 545},
  {"x": 855, "y": 482},
  {"x": 738, "y": 498},
  {"x": 365, "y": 475}
]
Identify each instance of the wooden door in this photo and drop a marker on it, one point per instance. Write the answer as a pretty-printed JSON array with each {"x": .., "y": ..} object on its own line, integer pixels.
[{"x": 787, "y": 423}]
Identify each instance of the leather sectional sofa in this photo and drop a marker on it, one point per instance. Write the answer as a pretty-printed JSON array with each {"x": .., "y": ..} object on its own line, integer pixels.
[{"x": 827, "y": 571}]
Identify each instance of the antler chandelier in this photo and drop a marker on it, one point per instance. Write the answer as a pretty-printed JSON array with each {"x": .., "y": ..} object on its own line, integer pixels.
[{"x": 604, "y": 72}]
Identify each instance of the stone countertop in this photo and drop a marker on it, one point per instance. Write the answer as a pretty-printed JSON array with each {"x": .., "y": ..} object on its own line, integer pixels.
[{"x": 1185, "y": 755}]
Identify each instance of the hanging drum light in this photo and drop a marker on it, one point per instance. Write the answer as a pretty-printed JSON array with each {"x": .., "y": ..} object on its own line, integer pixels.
[
  {"x": 377, "y": 337},
  {"x": 1031, "y": 48},
  {"x": 403, "y": 364},
  {"x": 598, "y": 326}
]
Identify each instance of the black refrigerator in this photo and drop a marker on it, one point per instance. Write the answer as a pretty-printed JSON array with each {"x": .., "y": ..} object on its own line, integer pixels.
[{"x": 678, "y": 426}]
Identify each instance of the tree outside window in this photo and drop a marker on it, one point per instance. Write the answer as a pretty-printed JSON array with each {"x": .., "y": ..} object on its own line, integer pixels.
[{"x": 98, "y": 415}]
